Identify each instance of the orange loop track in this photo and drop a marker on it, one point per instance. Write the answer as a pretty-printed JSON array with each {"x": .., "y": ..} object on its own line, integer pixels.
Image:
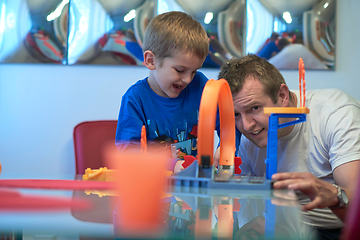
[{"x": 216, "y": 93}]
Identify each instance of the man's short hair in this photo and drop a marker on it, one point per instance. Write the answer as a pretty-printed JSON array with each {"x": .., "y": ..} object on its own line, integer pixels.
[
  {"x": 236, "y": 70},
  {"x": 175, "y": 32}
]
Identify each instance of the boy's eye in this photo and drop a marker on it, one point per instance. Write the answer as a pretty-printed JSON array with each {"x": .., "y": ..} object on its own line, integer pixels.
[{"x": 180, "y": 71}]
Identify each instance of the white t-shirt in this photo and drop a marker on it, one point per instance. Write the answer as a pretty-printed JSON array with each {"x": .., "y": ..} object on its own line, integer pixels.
[{"x": 329, "y": 137}]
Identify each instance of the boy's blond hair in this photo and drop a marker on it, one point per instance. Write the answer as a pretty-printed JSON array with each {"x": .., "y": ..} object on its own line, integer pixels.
[{"x": 175, "y": 32}]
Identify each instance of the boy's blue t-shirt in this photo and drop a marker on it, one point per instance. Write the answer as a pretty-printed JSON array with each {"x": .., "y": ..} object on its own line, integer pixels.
[{"x": 167, "y": 120}]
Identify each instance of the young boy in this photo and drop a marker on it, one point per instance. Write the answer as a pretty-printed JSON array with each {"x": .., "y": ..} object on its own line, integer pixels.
[{"x": 167, "y": 101}]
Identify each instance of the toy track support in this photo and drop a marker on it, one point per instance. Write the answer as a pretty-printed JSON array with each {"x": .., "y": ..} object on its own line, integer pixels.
[
  {"x": 216, "y": 93},
  {"x": 275, "y": 113},
  {"x": 274, "y": 125}
]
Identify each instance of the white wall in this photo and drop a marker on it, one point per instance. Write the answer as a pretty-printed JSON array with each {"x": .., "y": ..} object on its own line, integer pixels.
[{"x": 41, "y": 104}]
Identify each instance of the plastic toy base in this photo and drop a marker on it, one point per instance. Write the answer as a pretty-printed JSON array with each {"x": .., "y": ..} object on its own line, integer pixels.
[{"x": 190, "y": 180}]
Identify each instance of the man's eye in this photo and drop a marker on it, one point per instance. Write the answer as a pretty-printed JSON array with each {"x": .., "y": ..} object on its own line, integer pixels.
[
  {"x": 179, "y": 71},
  {"x": 256, "y": 108},
  {"x": 237, "y": 114}
]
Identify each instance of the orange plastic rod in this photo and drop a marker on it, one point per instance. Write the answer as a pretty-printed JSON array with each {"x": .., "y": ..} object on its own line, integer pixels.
[
  {"x": 301, "y": 65},
  {"x": 216, "y": 93},
  {"x": 143, "y": 140},
  {"x": 304, "y": 83}
]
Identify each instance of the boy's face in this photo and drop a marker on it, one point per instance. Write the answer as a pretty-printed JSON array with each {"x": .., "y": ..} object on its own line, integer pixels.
[
  {"x": 174, "y": 74},
  {"x": 249, "y": 104}
]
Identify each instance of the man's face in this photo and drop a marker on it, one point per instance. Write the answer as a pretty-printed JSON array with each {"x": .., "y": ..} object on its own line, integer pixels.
[{"x": 249, "y": 104}]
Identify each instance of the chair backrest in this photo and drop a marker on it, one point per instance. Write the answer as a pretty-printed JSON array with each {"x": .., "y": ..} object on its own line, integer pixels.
[{"x": 89, "y": 139}]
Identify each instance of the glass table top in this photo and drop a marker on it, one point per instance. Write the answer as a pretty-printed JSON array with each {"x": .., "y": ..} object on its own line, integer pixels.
[{"x": 216, "y": 214}]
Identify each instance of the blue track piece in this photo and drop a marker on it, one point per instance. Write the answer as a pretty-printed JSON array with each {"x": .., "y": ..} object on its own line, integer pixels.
[
  {"x": 191, "y": 171},
  {"x": 271, "y": 152}
]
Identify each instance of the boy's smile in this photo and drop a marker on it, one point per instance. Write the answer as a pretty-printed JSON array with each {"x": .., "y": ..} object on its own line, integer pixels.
[{"x": 173, "y": 74}]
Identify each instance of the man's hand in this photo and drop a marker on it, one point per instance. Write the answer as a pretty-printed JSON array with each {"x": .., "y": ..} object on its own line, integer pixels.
[{"x": 321, "y": 193}]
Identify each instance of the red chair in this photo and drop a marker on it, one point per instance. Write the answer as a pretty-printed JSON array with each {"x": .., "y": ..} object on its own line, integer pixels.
[{"x": 89, "y": 139}]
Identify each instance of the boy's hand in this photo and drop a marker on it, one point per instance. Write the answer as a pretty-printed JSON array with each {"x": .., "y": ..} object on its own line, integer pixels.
[{"x": 178, "y": 166}]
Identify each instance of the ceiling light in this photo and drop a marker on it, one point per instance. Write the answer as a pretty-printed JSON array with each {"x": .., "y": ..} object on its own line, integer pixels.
[
  {"x": 208, "y": 17},
  {"x": 57, "y": 12},
  {"x": 287, "y": 17},
  {"x": 131, "y": 15}
]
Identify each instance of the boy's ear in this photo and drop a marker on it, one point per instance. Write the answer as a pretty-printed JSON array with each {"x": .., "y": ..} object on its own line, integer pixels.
[
  {"x": 284, "y": 95},
  {"x": 149, "y": 60}
]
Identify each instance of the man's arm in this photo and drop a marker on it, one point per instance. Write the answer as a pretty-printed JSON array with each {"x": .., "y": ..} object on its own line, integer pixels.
[
  {"x": 322, "y": 193},
  {"x": 347, "y": 177}
]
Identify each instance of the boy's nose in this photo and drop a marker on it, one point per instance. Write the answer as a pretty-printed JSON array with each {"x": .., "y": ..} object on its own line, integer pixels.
[{"x": 187, "y": 79}]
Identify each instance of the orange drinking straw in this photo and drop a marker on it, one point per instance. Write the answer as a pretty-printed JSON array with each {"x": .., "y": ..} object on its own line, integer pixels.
[{"x": 143, "y": 140}]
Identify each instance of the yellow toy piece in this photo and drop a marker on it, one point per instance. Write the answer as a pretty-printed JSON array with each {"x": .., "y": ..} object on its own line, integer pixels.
[
  {"x": 101, "y": 174},
  {"x": 107, "y": 175}
]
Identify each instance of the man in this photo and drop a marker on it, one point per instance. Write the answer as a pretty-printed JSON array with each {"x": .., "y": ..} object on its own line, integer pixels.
[{"x": 312, "y": 155}]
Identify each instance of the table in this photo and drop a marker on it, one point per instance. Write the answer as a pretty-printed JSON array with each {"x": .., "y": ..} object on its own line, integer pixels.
[{"x": 185, "y": 215}]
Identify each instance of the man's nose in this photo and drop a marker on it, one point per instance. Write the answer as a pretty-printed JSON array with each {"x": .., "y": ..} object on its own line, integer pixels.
[{"x": 248, "y": 122}]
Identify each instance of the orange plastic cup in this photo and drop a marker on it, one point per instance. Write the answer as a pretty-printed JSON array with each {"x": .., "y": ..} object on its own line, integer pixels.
[{"x": 140, "y": 184}]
